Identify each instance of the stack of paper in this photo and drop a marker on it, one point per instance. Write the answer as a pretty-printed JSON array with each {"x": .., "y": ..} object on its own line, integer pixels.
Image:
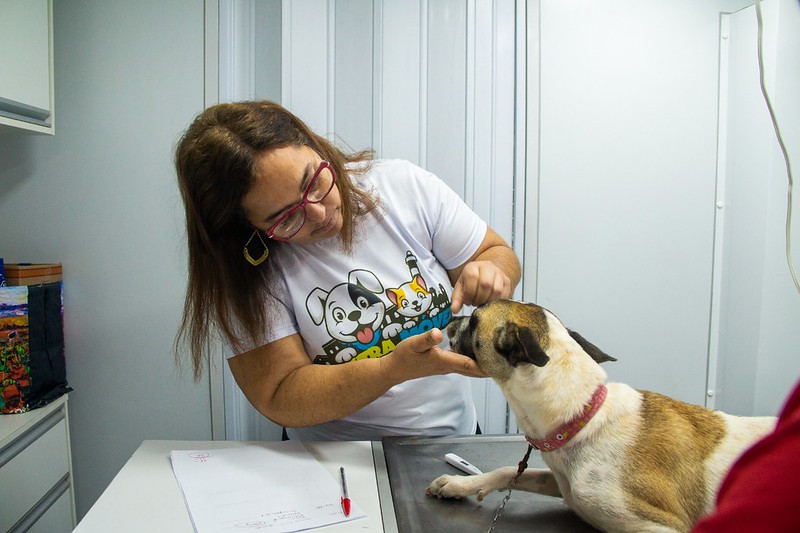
[{"x": 272, "y": 486}]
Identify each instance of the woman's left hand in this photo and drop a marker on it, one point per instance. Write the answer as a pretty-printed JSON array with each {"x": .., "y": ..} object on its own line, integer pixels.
[{"x": 480, "y": 282}]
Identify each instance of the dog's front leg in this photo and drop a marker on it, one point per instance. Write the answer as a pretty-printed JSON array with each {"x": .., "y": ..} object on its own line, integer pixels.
[
  {"x": 532, "y": 480},
  {"x": 540, "y": 481}
]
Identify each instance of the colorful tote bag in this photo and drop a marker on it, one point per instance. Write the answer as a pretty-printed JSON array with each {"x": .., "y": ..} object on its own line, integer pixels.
[{"x": 32, "y": 363}]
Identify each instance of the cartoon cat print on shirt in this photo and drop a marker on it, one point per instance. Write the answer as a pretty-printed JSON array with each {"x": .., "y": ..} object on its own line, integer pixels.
[
  {"x": 411, "y": 299},
  {"x": 362, "y": 325}
]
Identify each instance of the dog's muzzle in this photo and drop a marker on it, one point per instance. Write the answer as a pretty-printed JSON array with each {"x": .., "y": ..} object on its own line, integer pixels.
[{"x": 458, "y": 331}]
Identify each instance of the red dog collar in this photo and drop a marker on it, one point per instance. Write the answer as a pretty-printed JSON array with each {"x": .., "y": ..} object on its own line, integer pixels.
[{"x": 567, "y": 432}]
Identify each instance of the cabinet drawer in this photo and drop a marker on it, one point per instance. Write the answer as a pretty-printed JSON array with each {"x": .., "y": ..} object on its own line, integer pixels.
[
  {"x": 26, "y": 64},
  {"x": 58, "y": 518},
  {"x": 32, "y": 472}
]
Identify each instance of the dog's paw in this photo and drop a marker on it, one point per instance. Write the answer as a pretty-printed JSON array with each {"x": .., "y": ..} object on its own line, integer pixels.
[
  {"x": 448, "y": 486},
  {"x": 392, "y": 330},
  {"x": 345, "y": 355}
]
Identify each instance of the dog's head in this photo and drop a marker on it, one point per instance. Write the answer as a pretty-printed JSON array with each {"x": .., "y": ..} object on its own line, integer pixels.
[{"x": 504, "y": 334}]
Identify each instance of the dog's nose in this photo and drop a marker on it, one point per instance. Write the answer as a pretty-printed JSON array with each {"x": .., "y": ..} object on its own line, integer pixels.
[
  {"x": 354, "y": 315},
  {"x": 452, "y": 327}
]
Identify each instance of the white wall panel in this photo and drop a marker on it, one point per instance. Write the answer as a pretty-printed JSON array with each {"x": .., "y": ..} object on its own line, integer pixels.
[
  {"x": 527, "y": 221},
  {"x": 759, "y": 358},
  {"x": 628, "y": 124},
  {"x": 503, "y": 115},
  {"x": 445, "y": 115},
  {"x": 307, "y": 70},
  {"x": 354, "y": 76},
  {"x": 480, "y": 110},
  {"x": 267, "y": 57},
  {"x": 489, "y": 178},
  {"x": 745, "y": 144},
  {"x": 237, "y": 56},
  {"x": 660, "y": 210},
  {"x": 400, "y": 88},
  {"x": 779, "y": 347}
]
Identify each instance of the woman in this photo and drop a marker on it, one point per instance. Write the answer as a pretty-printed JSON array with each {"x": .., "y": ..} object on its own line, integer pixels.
[{"x": 331, "y": 276}]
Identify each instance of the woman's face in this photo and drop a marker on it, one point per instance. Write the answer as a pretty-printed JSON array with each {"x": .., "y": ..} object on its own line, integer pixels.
[{"x": 281, "y": 178}]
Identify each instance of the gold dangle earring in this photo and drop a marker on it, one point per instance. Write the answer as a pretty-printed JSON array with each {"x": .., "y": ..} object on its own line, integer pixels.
[{"x": 250, "y": 259}]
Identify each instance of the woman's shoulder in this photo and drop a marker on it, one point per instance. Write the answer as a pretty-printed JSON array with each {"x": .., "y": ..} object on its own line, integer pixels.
[
  {"x": 398, "y": 172},
  {"x": 395, "y": 165},
  {"x": 397, "y": 178}
]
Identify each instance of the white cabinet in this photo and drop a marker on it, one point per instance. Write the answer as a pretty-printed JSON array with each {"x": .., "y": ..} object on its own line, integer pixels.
[
  {"x": 26, "y": 64},
  {"x": 36, "y": 490}
]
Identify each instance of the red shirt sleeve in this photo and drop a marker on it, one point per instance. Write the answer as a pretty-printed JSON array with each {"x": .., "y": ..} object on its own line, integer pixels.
[{"x": 762, "y": 490}]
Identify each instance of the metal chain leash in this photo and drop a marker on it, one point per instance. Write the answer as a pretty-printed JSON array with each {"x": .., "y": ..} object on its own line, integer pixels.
[{"x": 520, "y": 469}]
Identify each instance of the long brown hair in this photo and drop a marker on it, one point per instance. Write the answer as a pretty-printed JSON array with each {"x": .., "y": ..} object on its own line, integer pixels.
[{"x": 215, "y": 162}]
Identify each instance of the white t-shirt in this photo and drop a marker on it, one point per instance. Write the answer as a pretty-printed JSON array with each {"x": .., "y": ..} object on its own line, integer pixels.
[{"x": 393, "y": 285}]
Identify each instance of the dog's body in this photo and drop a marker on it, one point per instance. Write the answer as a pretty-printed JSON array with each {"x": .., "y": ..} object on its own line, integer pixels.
[{"x": 642, "y": 461}]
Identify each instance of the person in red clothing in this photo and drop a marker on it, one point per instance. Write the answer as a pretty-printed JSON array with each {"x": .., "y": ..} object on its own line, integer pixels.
[{"x": 761, "y": 491}]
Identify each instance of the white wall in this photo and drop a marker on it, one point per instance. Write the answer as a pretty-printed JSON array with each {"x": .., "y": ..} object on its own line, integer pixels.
[
  {"x": 101, "y": 197},
  {"x": 628, "y": 242},
  {"x": 756, "y": 359},
  {"x": 779, "y": 340},
  {"x": 627, "y": 161}
]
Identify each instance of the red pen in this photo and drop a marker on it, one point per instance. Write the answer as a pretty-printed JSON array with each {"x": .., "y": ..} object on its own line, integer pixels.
[{"x": 345, "y": 497}]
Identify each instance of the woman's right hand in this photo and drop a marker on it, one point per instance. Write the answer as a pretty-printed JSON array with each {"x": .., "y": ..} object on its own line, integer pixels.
[
  {"x": 420, "y": 356},
  {"x": 283, "y": 385}
]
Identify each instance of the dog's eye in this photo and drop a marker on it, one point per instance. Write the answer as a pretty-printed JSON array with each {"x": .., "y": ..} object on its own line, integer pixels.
[{"x": 477, "y": 345}]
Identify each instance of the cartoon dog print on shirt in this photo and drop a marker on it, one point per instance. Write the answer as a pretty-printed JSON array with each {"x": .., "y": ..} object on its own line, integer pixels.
[
  {"x": 352, "y": 312},
  {"x": 364, "y": 321}
]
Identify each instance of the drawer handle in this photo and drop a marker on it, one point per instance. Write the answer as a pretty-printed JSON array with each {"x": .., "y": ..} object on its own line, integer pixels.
[
  {"x": 24, "y": 112},
  {"x": 42, "y": 506},
  {"x": 24, "y": 440}
]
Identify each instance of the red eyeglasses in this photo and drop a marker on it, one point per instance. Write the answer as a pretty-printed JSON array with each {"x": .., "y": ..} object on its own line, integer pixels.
[{"x": 293, "y": 219}]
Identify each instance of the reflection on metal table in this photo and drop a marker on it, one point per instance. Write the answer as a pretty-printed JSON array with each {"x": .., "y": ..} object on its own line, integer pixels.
[{"x": 412, "y": 463}]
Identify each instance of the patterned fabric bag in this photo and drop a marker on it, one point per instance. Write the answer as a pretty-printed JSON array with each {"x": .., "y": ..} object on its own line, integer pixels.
[{"x": 32, "y": 365}]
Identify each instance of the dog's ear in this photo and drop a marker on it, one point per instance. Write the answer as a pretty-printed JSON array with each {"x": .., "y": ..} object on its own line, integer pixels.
[
  {"x": 594, "y": 352},
  {"x": 519, "y": 345},
  {"x": 315, "y": 305}
]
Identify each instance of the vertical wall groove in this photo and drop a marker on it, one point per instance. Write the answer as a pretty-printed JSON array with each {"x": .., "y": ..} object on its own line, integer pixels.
[
  {"x": 493, "y": 99},
  {"x": 520, "y": 125},
  {"x": 423, "y": 82},
  {"x": 330, "y": 126},
  {"x": 719, "y": 215},
  {"x": 469, "y": 137},
  {"x": 286, "y": 54},
  {"x": 377, "y": 72}
]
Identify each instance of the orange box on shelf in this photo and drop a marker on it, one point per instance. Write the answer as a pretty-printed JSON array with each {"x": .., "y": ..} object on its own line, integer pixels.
[{"x": 32, "y": 273}]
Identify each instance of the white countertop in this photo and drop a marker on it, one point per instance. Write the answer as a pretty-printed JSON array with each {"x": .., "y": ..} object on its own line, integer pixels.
[
  {"x": 14, "y": 425},
  {"x": 145, "y": 496}
]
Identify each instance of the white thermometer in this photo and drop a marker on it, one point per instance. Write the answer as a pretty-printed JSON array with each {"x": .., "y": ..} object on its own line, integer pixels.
[{"x": 462, "y": 464}]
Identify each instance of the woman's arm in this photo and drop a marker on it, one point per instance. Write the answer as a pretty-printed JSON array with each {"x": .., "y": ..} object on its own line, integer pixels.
[
  {"x": 492, "y": 272},
  {"x": 281, "y": 383}
]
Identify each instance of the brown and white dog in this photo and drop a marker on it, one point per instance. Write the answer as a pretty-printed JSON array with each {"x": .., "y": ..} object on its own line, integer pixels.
[{"x": 622, "y": 459}]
